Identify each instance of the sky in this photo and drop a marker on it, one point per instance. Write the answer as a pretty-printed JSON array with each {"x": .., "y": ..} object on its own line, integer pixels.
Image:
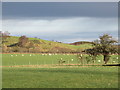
[{"x": 61, "y": 21}]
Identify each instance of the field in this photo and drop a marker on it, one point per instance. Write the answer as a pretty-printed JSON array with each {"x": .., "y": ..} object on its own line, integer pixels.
[
  {"x": 44, "y": 71},
  {"x": 47, "y": 59}
]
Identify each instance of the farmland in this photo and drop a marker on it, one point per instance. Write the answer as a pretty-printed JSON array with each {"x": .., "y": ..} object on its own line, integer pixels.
[
  {"x": 59, "y": 45},
  {"x": 40, "y": 63},
  {"x": 82, "y": 77},
  {"x": 43, "y": 71},
  {"x": 43, "y": 59}
]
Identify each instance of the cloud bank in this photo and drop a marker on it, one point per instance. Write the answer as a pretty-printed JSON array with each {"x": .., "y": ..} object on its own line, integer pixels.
[{"x": 62, "y": 29}]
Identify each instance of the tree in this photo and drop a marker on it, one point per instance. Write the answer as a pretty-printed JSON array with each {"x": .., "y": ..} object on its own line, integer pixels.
[
  {"x": 4, "y": 35},
  {"x": 105, "y": 46},
  {"x": 23, "y": 40}
]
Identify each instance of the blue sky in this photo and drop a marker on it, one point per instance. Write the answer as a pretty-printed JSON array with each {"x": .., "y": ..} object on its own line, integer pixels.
[{"x": 66, "y": 22}]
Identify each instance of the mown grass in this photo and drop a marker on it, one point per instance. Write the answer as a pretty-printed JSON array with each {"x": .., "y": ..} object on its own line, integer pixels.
[{"x": 81, "y": 77}]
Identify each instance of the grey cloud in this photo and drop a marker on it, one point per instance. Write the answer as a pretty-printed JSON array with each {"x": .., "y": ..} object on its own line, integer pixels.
[
  {"x": 63, "y": 29},
  {"x": 59, "y": 9}
]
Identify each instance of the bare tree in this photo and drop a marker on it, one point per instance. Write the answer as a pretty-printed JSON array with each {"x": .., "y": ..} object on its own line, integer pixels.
[{"x": 22, "y": 41}]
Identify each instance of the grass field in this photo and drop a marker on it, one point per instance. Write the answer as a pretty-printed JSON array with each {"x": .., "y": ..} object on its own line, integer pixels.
[
  {"x": 56, "y": 76},
  {"x": 82, "y": 77},
  {"x": 42, "y": 59}
]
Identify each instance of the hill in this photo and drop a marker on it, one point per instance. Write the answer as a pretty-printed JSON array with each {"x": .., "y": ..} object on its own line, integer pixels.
[
  {"x": 80, "y": 42},
  {"x": 35, "y": 45}
]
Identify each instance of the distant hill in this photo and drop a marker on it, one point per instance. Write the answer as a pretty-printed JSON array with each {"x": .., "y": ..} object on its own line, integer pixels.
[
  {"x": 43, "y": 46},
  {"x": 80, "y": 43}
]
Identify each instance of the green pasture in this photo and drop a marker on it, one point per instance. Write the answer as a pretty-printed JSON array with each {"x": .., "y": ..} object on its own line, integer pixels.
[
  {"x": 43, "y": 59},
  {"x": 56, "y": 76},
  {"x": 81, "y": 77}
]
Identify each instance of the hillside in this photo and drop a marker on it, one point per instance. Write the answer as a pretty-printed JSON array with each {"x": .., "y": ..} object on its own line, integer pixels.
[
  {"x": 39, "y": 45},
  {"x": 80, "y": 42}
]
